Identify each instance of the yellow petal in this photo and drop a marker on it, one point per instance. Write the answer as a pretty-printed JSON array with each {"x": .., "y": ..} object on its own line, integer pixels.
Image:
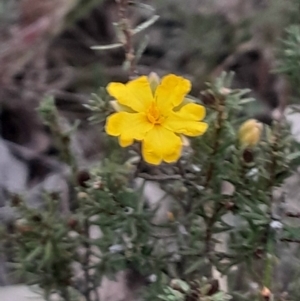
[
  {"x": 125, "y": 141},
  {"x": 136, "y": 94},
  {"x": 187, "y": 126},
  {"x": 160, "y": 145},
  {"x": 171, "y": 92},
  {"x": 192, "y": 111},
  {"x": 128, "y": 125}
]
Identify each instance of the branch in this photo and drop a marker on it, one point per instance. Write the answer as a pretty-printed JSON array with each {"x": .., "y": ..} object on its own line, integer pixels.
[{"x": 128, "y": 34}]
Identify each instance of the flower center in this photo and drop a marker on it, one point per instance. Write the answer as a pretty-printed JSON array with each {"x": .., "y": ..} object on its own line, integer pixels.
[{"x": 153, "y": 114}]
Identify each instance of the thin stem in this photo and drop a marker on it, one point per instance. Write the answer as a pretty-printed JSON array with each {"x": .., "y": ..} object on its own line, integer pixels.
[
  {"x": 128, "y": 43},
  {"x": 87, "y": 261},
  {"x": 95, "y": 288},
  {"x": 211, "y": 221},
  {"x": 218, "y": 131},
  {"x": 209, "y": 234},
  {"x": 65, "y": 294},
  {"x": 268, "y": 270}
]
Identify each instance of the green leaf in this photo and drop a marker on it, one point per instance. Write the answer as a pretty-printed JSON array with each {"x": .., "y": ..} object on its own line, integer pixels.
[
  {"x": 145, "y": 24},
  {"x": 107, "y": 47},
  {"x": 194, "y": 267},
  {"x": 48, "y": 252},
  {"x": 293, "y": 156},
  {"x": 34, "y": 254}
]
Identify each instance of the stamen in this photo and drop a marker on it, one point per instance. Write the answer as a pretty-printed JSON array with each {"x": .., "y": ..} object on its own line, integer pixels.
[{"x": 153, "y": 114}]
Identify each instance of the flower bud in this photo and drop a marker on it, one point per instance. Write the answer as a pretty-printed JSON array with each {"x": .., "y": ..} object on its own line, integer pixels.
[
  {"x": 16, "y": 200},
  {"x": 82, "y": 195},
  {"x": 185, "y": 141},
  {"x": 154, "y": 81},
  {"x": 22, "y": 226},
  {"x": 266, "y": 293},
  {"x": 116, "y": 106},
  {"x": 248, "y": 155},
  {"x": 72, "y": 223},
  {"x": 82, "y": 177},
  {"x": 171, "y": 216},
  {"x": 250, "y": 132}
]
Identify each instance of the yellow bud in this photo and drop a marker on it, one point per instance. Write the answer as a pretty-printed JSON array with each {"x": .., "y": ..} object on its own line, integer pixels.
[
  {"x": 266, "y": 293},
  {"x": 250, "y": 132},
  {"x": 154, "y": 81},
  {"x": 171, "y": 216},
  {"x": 82, "y": 195}
]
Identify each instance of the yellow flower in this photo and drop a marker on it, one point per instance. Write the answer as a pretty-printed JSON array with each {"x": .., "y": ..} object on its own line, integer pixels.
[
  {"x": 157, "y": 114},
  {"x": 250, "y": 132}
]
